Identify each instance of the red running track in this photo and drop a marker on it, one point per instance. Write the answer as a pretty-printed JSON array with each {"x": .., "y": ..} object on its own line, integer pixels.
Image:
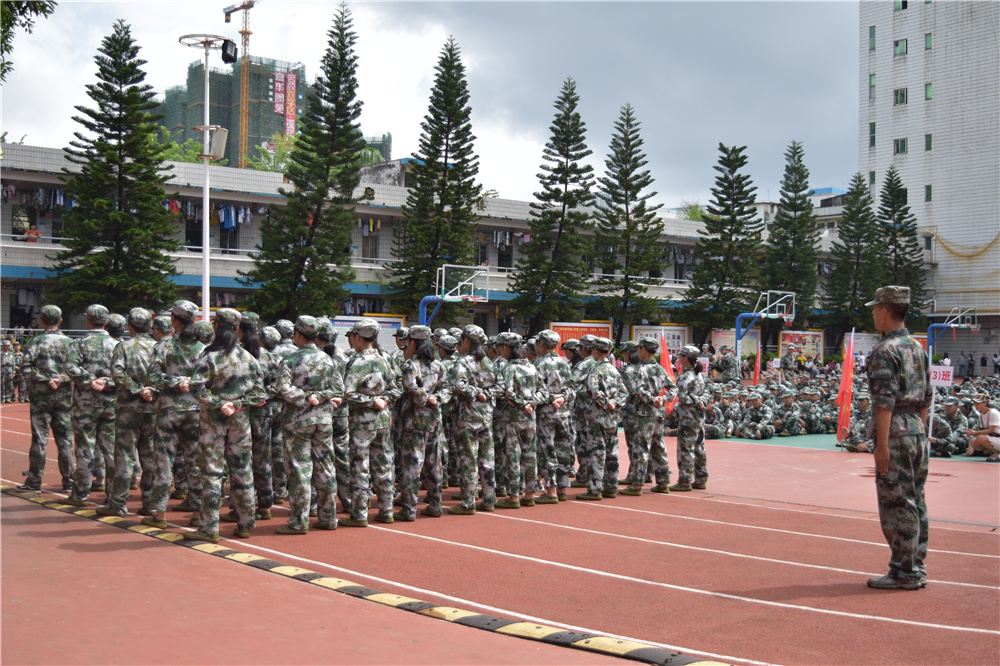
[{"x": 769, "y": 566}]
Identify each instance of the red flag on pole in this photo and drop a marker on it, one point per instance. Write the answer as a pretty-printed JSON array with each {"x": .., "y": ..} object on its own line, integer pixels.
[
  {"x": 756, "y": 366},
  {"x": 669, "y": 367},
  {"x": 844, "y": 394}
]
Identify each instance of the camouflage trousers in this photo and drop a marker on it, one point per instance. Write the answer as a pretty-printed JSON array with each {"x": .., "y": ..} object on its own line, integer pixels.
[
  {"x": 396, "y": 432},
  {"x": 691, "y": 459},
  {"x": 520, "y": 466},
  {"x": 311, "y": 463},
  {"x": 501, "y": 417},
  {"x": 555, "y": 439},
  {"x": 175, "y": 433},
  {"x": 599, "y": 445},
  {"x": 715, "y": 432},
  {"x": 901, "y": 506},
  {"x": 133, "y": 441},
  {"x": 419, "y": 442},
  {"x": 7, "y": 385},
  {"x": 22, "y": 389},
  {"x": 475, "y": 449},
  {"x": 342, "y": 454},
  {"x": 180, "y": 473},
  {"x": 792, "y": 427},
  {"x": 650, "y": 452},
  {"x": 93, "y": 430},
  {"x": 943, "y": 446},
  {"x": 279, "y": 481},
  {"x": 46, "y": 413},
  {"x": 815, "y": 426},
  {"x": 260, "y": 454},
  {"x": 449, "y": 453},
  {"x": 371, "y": 467},
  {"x": 581, "y": 427},
  {"x": 225, "y": 442},
  {"x": 750, "y": 430}
]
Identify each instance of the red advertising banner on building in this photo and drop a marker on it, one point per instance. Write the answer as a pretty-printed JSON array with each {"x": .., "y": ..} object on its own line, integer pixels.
[
  {"x": 291, "y": 95},
  {"x": 573, "y": 330},
  {"x": 279, "y": 93},
  {"x": 809, "y": 342}
]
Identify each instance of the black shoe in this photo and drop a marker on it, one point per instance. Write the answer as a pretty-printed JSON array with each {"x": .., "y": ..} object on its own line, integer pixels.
[
  {"x": 67, "y": 486},
  {"x": 28, "y": 488}
]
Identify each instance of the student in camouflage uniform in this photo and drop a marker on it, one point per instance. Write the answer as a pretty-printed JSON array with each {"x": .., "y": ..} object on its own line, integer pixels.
[
  {"x": 786, "y": 367},
  {"x": 605, "y": 393},
  {"x": 691, "y": 460},
  {"x": 311, "y": 387},
  {"x": 44, "y": 366},
  {"x": 757, "y": 419},
  {"x": 581, "y": 409},
  {"x": 369, "y": 388},
  {"x": 340, "y": 423},
  {"x": 177, "y": 423},
  {"x": 7, "y": 369},
  {"x": 227, "y": 381},
  {"x": 715, "y": 420},
  {"x": 517, "y": 392},
  {"x": 811, "y": 411},
  {"x": 958, "y": 424},
  {"x": 93, "y": 401},
  {"x": 501, "y": 415},
  {"x": 787, "y": 419},
  {"x": 649, "y": 389},
  {"x": 940, "y": 437},
  {"x": 396, "y": 362},
  {"x": 163, "y": 330},
  {"x": 858, "y": 440},
  {"x": 445, "y": 347},
  {"x": 424, "y": 389},
  {"x": 279, "y": 478},
  {"x": 899, "y": 383},
  {"x": 728, "y": 366},
  {"x": 473, "y": 384},
  {"x": 630, "y": 358},
  {"x": 133, "y": 416},
  {"x": 554, "y": 417},
  {"x": 19, "y": 379}
]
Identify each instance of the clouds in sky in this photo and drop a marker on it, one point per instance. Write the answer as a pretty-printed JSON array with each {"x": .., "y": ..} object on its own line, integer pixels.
[{"x": 697, "y": 73}]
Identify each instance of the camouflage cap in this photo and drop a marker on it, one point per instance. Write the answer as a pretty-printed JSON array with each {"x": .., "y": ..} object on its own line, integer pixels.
[
  {"x": 716, "y": 388},
  {"x": 861, "y": 395},
  {"x": 6, "y": 342},
  {"x": 602, "y": 344},
  {"x": 474, "y": 333},
  {"x": 567, "y": 345},
  {"x": 723, "y": 347},
  {"x": 587, "y": 341},
  {"x": 402, "y": 332},
  {"x": 51, "y": 314},
  {"x": 116, "y": 325},
  {"x": 250, "y": 319},
  {"x": 140, "y": 319},
  {"x": 284, "y": 327},
  {"x": 163, "y": 324},
  {"x": 307, "y": 326},
  {"x": 530, "y": 345},
  {"x": 756, "y": 396},
  {"x": 950, "y": 400},
  {"x": 550, "y": 338},
  {"x": 270, "y": 337},
  {"x": 809, "y": 390},
  {"x": 448, "y": 342},
  {"x": 629, "y": 344},
  {"x": 184, "y": 310},
  {"x": 366, "y": 328},
  {"x": 690, "y": 351},
  {"x": 97, "y": 314},
  {"x": 509, "y": 339},
  {"x": 649, "y": 344},
  {"x": 228, "y": 318},
  {"x": 788, "y": 393},
  {"x": 455, "y": 332},
  {"x": 418, "y": 333},
  {"x": 980, "y": 397},
  {"x": 326, "y": 330},
  {"x": 439, "y": 333},
  {"x": 205, "y": 332},
  {"x": 893, "y": 294}
]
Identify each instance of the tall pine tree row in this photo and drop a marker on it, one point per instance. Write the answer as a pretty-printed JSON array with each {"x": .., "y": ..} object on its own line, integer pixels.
[
  {"x": 725, "y": 279},
  {"x": 304, "y": 259},
  {"x": 439, "y": 214},
  {"x": 791, "y": 256},
  {"x": 857, "y": 264},
  {"x": 117, "y": 233},
  {"x": 904, "y": 259},
  {"x": 627, "y": 237},
  {"x": 552, "y": 273}
]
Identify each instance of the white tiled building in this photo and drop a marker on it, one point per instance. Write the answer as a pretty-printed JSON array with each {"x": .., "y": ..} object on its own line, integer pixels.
[{"x": 929, "y": 98}]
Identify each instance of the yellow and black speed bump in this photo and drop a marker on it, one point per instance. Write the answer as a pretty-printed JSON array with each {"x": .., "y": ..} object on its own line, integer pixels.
[{"x": 617, "y": 647}]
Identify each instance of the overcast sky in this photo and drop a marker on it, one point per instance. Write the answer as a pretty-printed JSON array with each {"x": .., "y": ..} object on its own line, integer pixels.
[{"x": 697, "y": 73}]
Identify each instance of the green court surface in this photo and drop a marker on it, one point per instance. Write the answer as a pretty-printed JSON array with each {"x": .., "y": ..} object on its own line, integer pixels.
[{"x": 828, "y": 443}]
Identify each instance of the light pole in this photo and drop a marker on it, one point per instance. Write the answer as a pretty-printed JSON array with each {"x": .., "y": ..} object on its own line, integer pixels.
[{"x": 228, "y": 47}]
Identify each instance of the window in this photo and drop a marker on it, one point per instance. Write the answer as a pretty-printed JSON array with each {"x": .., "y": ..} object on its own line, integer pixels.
[
  {"x": 899, "y": 47},
  {"x": 22, "y": 219},
  {"x": 871, "y": 177},
  {"x": 505, "y": 257},
  {"x": 899, "y": 147},
  {"x": 927, "y": 91},
  {"x": 871, "y": 38},
  {"x": 927, "y": 42},
  {"x": 928, "y": 194},
  {"x": 871, "y": 86},
  {"x": 871, "y": 135},
  {"x": 899, "y": 5},
  {"x": 927, "y": 142},
  {"x": 899, "y": 96},
  {"x": 484, "y": 254},
  {"x": 927, "y": 242},
  {"x": 369, "y": 246}
]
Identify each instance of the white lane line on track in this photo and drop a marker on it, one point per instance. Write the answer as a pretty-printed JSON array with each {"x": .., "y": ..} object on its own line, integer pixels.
[
  {"x": 245, "y": 545},
  {"x": 718, "y": 552},
  {"x": 775, "y": 529},
  {"x": 937, "y": 526},
  {"x": 680, "y": 588},
  {"x": 24, "y": 453}
]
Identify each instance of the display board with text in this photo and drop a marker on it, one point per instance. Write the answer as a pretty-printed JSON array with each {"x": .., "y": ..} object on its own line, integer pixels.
[
  {"x": 676, "y": 335},
  {"x": 573, "y": 330},
  {"x": 810, "y": 343},
  {"x": 748, "y": 345}
]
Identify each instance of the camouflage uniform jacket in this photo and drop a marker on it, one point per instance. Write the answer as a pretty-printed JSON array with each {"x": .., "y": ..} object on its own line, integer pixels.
[
  {"x": 555, "y": 377},
  {"x": 519, "y": 386},
  {"x": 283, "y": 349},
  {"x": 604, "y": 385},
  {"x": 758, "y": 416},
  {"x": 45, "y": 359},
  {"x": 580, "y": 373},
  {"x": 729, "y": 367},
  {"x": 787, "y": 363},
  {"x": 628, "y": 378},
  {"x": 469, "y": 378},
  {"x": 716, "y": 416},
  {"x": 691, "y": 397},
  {"x": 172, "y": 363},
  {"x": 899, "y": 380},
  {"x": 859, "y": 425},
  {"x": 734, "y": 412},
  {"x": 941, "y": 431},
  {"x": 958, "y": 424},
  {"x": 130, "y": 368},
  {"x": 367, "y": 377},
  {"x": 90, "y": 358},
  {"x": 786, "y": 414},
  {"x": 307, "y": 371},
  {"x": 422, "y": 380},
  {"x": 645, "y": 381},
  {"x": 269, "y": 365},
  {"x": 220, "y": 378}
]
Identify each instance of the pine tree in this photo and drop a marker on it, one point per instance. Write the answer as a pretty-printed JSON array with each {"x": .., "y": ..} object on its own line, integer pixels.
[
  {"x": 305, "y": 249},
  {"x": 857, "y": 263},
  {"x": 791, "y": 257},
  {"x": 628, "y": 230},
  {"x": 725, "y": 282},
  {"x": 550, "y": 277},
  {"x": 903, "y": 255},
  {"x": 439, "y": 214},
  {"x": 117, "y": 233}
]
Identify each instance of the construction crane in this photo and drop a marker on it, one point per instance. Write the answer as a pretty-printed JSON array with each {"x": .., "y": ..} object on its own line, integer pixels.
[{"x": 245, "y": 7}]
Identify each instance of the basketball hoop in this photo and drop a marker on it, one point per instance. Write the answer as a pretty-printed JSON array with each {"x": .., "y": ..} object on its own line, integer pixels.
[
  {"x": 471, "y": 299},
  {"x": 789, "y": 320},
  {"x": 975, "y": 328}
]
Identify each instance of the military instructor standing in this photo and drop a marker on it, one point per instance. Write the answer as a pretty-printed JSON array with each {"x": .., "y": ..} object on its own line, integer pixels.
[{"x": 899, "y": 383}]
